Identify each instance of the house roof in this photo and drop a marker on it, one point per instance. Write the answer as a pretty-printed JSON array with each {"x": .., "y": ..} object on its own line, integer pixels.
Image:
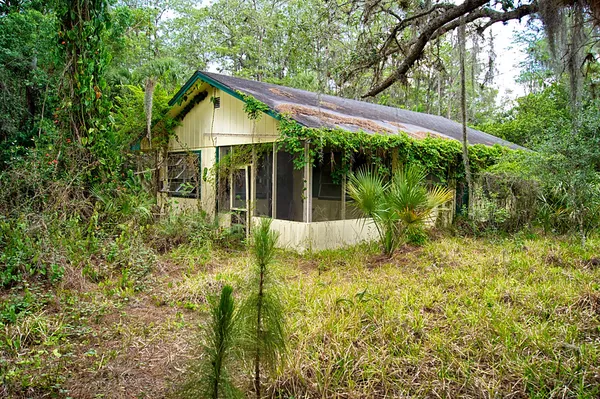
[{"x": 321, "y": 110}]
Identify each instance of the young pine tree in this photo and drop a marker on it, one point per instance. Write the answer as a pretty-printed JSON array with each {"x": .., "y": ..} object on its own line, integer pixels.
[
  {"x": 262, "y": 310},
  {"x": 209, "y": 378}
]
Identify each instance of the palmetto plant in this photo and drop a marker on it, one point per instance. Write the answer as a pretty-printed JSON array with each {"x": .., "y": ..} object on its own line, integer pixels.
[{"x": 399, "y": 207}]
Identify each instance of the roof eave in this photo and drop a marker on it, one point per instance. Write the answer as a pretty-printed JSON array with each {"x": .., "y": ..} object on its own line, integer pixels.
[{"x": 198, "y": 75}]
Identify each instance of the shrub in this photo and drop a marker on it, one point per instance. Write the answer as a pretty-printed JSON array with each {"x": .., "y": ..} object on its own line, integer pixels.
[
  {"x": 399, "y": 208},
  {"x": 505, "y": 201},
  {"x": 179, "y": 228},
  {"x": 25, "y": 252}
]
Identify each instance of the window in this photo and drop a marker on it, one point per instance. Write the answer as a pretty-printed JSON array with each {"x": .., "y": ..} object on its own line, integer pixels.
[
  {"x": 183, "y": 171},
  {"x": 240, "y": 188},
  {"x": 326, "y": 184},
  {"x": 290, "y": 188},
  {"x": 327, "y": 201}
]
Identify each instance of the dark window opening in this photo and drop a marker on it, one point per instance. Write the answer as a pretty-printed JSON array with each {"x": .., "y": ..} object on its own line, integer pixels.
[
  {"x": 327, "y": 188},
  {"x": 183, "y": 171},
  {"x": 327, "y": 177},
  {"x": 290, "y": 189},
  {"x": 264, "y": 185},
  {"x": 239, "y": 179},
  {"x": 223, "y": 184}
]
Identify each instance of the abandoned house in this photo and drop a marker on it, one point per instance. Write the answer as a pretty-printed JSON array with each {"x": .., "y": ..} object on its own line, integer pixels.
[{"x": 308, "y": 204}]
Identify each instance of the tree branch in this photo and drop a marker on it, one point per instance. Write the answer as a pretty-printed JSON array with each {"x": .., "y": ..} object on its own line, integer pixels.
[{"x": 444, "y": 23}]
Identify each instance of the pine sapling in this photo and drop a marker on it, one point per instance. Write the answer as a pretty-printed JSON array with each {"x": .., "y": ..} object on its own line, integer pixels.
[
  {"x": 262, "y": 310},
  {"x": 210, "y": 378}
]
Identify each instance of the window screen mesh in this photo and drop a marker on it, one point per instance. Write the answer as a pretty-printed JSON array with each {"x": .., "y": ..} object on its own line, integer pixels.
[
  {"x": 223, "y": 188},
  {"x": 184, "y": 174},
  {"x": 264, "y": 185},
  {"x": 239, "y": 188},
  {"x": 290, "y": 187},
  {"x": 327, "y": 188}
]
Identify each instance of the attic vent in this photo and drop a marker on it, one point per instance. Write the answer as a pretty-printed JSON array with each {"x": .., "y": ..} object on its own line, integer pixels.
[{"x": 217, "y": 102}]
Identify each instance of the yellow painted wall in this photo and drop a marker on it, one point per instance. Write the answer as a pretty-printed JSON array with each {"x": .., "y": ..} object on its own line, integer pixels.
[{"x": 205, "y": 126}]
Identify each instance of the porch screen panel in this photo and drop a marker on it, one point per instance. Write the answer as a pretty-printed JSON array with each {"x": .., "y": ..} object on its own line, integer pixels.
[
  {"x": 327, "y": 188},
  {"x": 290, "y": 185},
  {"x": 223, "y": 186},
  {"x": 359, "y": 162},
  {"x": 264, "y": 185},
  {"x": 239, "y": 188}
]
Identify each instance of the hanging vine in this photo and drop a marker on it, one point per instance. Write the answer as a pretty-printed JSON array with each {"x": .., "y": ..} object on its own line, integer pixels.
[
  {"x": 253, "y": 107},
  {"x": 441, "y": 157},
  {"x": 240, "y": 156},
  {"x": 197, "y": 99}
]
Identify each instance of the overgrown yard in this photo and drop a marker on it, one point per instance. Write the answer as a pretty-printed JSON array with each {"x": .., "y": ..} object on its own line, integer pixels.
[{"x": 459, "y": 317}]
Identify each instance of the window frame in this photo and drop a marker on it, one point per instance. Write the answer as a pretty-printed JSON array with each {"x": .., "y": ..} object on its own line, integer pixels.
[{"x": 195, "y": 180}]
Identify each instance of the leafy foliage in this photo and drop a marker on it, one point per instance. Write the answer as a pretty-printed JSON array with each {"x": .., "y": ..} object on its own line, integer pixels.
[
  {"x": 399, "y": 208},
  {"x": 563, "y": 173},
  {"x": 27, "y": 77},
  {"x": 253, "y": 107},
  {"x": 569, "y": 170},
  {"x": 440, "y": 157},
  {"x": 529, "y": 120}
]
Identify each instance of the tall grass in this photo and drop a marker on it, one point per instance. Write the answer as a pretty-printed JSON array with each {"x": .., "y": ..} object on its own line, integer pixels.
[{"x": 458, "y": 318}]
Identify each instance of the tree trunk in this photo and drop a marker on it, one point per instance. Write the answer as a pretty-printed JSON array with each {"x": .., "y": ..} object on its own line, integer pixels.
[{"x": 463, "y": 109}]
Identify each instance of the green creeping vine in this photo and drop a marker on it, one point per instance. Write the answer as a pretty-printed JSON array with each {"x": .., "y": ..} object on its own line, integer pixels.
[
  {"x": 253, "y": 107},
  {"x": 197, "y": 99},
  {"x": 440, "y": 157},
  {"x": 239, "y": 157}
]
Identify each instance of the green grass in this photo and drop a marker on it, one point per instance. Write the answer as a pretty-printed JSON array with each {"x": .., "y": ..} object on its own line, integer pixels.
[{"x": 459, "y": 317}]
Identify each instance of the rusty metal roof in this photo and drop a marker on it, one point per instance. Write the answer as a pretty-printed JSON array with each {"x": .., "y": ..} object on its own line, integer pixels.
[{"x": 322, "y": 110}]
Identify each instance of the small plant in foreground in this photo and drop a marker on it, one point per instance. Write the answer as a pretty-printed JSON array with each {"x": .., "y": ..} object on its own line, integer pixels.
[
  {"x": 262, "y": 310},
  {"x": 399, "y": 208},
  {"x": 210, "y": 377}
]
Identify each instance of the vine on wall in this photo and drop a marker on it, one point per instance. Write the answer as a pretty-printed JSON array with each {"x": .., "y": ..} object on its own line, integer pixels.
[
  {"x": 253, "y": 107},
  {"x": 197, "y": 99},
  {"x": 240, "y": 156},
  {"x": 441, "y": 157}
]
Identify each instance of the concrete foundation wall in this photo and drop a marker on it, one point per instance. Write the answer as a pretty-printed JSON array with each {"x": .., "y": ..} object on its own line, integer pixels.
[{"x": 179, "y": 204}]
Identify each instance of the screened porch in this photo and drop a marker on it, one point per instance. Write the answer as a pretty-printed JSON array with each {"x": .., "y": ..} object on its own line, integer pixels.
[{"x": 308, "y": 204}]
